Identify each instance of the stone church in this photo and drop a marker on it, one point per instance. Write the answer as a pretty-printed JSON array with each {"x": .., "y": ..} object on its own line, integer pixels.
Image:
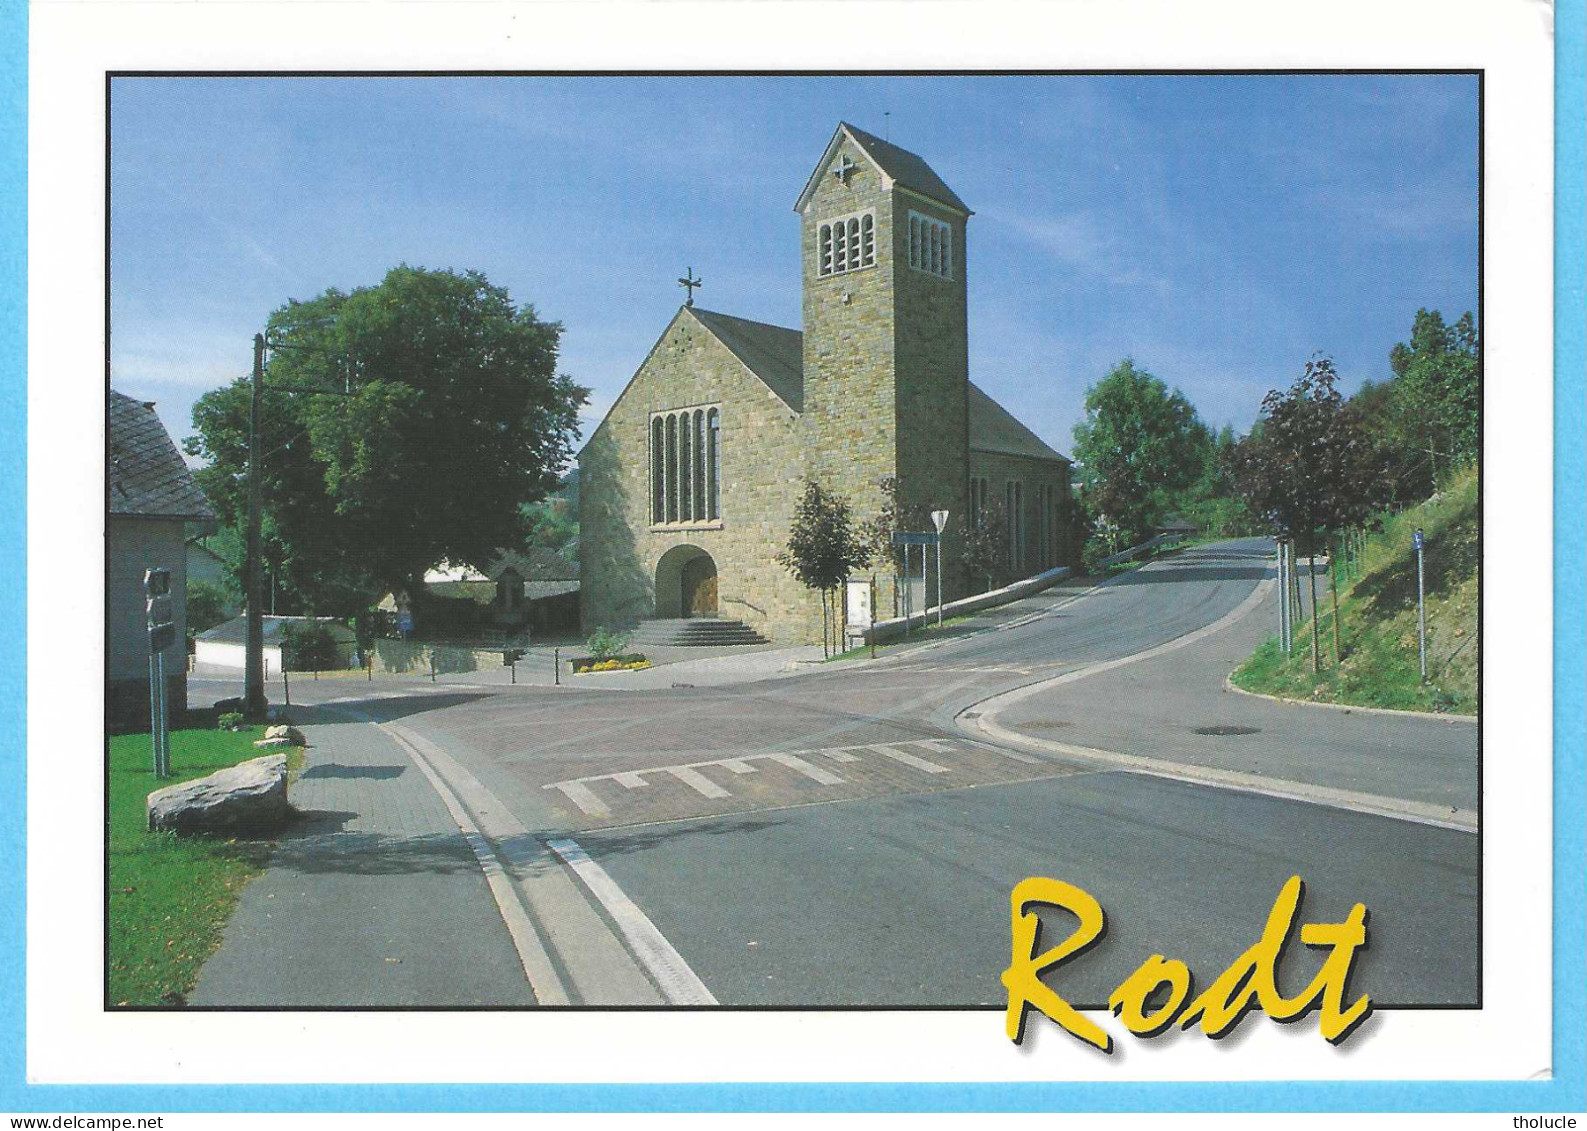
[{"x": 688, "y": 486}]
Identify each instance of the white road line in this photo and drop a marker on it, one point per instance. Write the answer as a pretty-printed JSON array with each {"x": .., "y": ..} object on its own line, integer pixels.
[
  {"x": 697, "y": 781},
  {"x": 630, "y": 781},
  {"x": 678, "y": 983},
  {"x": 739, "y": 767},
  {"x": 908, "y": 759},
  {"x": 799, "y": 765},
  {"x": 544, "y": 982},
  {"x": 838, "y": 755},
  {"x": 582, "y": 796}
]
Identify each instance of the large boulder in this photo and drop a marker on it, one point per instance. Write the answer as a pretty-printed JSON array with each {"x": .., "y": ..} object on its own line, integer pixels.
[
  {"x": 248, "y": 797},
  {"x": 291, "y": 733}
]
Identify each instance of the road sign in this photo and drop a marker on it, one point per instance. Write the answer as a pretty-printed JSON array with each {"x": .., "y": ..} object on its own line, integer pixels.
[
  {"x": 939, "y": 519},
  {"x": 405, "y": 622},
  {"x": 914, "y": 538},
  {"x": 1417, "y": 539}
]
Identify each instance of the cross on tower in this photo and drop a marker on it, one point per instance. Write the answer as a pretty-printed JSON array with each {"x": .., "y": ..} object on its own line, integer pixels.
[
  {"x": 843, "y": 168},
  {"x": 688, "y": 283}
]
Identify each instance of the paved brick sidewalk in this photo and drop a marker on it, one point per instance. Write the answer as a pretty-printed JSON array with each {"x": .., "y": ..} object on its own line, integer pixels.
[{"x": 375, "y": 899}]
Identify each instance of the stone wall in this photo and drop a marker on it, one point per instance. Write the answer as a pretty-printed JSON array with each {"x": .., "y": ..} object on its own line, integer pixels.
[{"x": 764, "y": 463}]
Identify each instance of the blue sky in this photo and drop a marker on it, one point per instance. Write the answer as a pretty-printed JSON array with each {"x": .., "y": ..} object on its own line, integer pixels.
[{"x": 1216, "y": 229}]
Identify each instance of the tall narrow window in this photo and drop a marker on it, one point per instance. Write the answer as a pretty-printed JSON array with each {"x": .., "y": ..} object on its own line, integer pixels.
[
  {"x": 686, "y": 473},
  {"x": 658, "y": 479},
  {"x": 826, "y": 249},
  {"x": 672, "y": 469},
  {"x": 713, "y": 427},
  {"x": 697, "y": 431}
]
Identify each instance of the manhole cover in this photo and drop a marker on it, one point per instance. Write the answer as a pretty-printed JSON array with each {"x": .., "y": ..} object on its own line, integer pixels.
[
  {"x": 1047, "y": 724},
  {"x": 1228, "y": 730}
]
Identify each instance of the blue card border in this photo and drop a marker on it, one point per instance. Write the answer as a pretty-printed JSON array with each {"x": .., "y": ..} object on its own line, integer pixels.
[{"x": 1566, "y": 1091}]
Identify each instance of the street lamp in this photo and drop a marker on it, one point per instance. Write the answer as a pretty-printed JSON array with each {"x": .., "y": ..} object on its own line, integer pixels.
[{"x": 939, "y": 519}]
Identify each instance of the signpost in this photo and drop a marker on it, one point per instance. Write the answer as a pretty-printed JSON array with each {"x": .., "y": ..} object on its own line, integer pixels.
[
  {"x": 939, "y": 519},
  {"x": 906, "y": 539},
  {"x": 162, "y": 634},
  {"x": 1421, "y": 608}
]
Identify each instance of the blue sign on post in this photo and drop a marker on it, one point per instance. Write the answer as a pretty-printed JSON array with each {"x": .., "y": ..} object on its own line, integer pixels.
[
  {"x": 909, "y": 538},
  {"x": 1418, "y": 540},
  {"x": 405, "y": 624}
]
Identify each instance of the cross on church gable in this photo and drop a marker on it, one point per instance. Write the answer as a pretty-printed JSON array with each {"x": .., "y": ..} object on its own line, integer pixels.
[{"x": 843, "y": 168}]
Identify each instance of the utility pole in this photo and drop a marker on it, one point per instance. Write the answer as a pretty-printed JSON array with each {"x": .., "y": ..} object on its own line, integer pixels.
[{"x": 253, "y": 692}]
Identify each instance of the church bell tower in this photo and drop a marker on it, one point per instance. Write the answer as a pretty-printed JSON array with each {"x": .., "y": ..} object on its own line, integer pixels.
[{"x": 886, "y": 353}]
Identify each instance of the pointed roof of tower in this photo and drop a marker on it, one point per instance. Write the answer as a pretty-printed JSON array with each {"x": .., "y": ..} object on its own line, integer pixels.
[{"x": 899, "y": 166}]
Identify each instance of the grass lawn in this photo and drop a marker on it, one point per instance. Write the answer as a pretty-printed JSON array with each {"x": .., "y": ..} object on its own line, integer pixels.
[
  {"x": 170, "y": 896},
  {"x": 1379, "y": 666}
]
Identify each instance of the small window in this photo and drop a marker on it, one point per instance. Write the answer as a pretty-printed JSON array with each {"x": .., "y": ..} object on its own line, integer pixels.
[
  {"x": 846, "y": 244},
  {"x": 930, "y": 245}
]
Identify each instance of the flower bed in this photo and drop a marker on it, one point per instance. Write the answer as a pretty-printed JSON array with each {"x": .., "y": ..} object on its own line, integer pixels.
[{"x": 633, "y": 662}]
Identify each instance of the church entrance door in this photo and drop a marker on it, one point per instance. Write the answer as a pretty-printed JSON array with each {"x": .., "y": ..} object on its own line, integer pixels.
[{"x": 699, "y": 587}]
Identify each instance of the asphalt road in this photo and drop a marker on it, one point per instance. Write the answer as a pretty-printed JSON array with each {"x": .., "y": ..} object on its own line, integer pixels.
[{"x": 837, "y": 838}]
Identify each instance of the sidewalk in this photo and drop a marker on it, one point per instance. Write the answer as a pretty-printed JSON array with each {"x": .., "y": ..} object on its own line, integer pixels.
[{"x": 375, "y": 899}]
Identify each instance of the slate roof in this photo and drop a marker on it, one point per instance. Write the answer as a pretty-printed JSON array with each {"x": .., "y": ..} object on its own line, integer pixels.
[
  {"x": 146, "y": 474},
  {"x": 775, "y": 354},
  {"x": 905, "y": 168},
  {"x": 994, "y": 429}
]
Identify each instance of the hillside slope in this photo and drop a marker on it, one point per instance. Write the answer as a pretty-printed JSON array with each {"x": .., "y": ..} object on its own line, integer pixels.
[{"x": 1378, "y": 619}]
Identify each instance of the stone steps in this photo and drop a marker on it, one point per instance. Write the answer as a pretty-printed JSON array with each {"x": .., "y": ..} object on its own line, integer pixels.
[{"x": 701, "y": 632}]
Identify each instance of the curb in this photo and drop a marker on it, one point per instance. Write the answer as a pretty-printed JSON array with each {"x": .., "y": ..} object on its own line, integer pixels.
[
  {"x": 1418, "y": 812},
  {"x": 1348, "y": 708}
]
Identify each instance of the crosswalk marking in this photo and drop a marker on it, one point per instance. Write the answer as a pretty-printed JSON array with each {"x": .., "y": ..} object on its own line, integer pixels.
[
  {"x": 697, "y": 781},
  {"x": 582, "y": 796},
  {"x": 799, "y": 765},
  {"x": 908, "y": 759},
  {"x": 581, "y": 793}
]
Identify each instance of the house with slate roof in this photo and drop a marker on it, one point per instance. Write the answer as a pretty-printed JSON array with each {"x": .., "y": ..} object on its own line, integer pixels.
[
  {"x": 150, "y": 497},
  {"x": 688, "y": 486}
]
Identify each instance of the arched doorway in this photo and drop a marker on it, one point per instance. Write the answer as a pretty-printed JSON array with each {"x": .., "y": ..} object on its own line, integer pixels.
[
  {"x": 699, "y": 587},
  {"x": 686, "y": 583}
]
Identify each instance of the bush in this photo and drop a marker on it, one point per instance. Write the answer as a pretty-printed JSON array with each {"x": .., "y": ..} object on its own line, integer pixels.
[
  {"x": 604, "y": 644},
  {"x": 309, "y": 647},
  {"x": 206, "y": 606},
  {"x": 231, "y": 720}
]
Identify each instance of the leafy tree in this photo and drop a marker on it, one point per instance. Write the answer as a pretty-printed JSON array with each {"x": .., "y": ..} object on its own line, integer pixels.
[
  {"x": 986, "y": 544},
  {"x": 1211, "y": 502},
  {"x": 206, "y": 606},
  {"x": 1139, "y": 443},
  {"x": 454, "y": 416},
  {"x": 1435, "y": 397},
  {"x": 877, "y": 533},
  {"x": 1310, "y": 469},
  {"x": 824, "y": 547}
]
